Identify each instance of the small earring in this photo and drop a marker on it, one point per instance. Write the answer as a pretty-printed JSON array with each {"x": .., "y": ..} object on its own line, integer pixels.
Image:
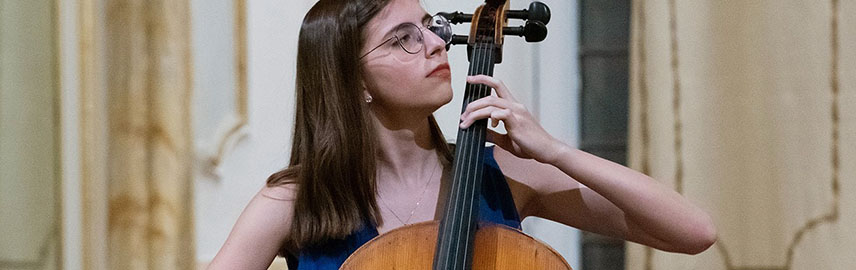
[{"x": 369, "y": 99}]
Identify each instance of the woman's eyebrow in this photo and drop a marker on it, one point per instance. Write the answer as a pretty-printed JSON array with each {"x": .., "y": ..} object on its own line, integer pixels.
[
  {"x": 392, "y": 30},
  {"x": 425, "y": 19}
]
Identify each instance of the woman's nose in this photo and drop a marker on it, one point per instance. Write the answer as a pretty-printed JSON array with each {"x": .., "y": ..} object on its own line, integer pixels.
[{"x": 434, "y": 45}]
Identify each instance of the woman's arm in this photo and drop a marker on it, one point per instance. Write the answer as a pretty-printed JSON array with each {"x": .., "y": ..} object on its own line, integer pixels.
[
  {"x": 259, "y": 233},
  {"x": 582, "y": 190},
  {"x": 613, "y": 200}
]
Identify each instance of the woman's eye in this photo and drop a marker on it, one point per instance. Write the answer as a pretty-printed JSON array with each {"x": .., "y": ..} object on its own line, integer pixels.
[{"x": 405, "y": 38}]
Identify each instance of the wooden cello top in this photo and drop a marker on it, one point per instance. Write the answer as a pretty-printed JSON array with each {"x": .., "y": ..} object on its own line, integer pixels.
[{"x": 497, "y": 247}]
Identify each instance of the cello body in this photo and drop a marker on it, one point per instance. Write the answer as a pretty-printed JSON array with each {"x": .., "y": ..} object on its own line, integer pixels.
[{"x": 413, "y": 247}]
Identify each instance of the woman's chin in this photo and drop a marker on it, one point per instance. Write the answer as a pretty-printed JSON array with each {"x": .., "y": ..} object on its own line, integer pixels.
[
  {"x": 447, "y": 93},
  {"x": 442, "y": 101},
  {"x": 447, "y": 98},
  {"x": 439, "y": 97}
]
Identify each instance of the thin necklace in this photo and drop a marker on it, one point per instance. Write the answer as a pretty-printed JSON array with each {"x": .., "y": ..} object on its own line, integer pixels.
[{"x": 418, "y": 202}]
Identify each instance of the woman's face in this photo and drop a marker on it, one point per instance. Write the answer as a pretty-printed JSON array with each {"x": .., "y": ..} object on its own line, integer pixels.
[{"x": 399, "y": 81}]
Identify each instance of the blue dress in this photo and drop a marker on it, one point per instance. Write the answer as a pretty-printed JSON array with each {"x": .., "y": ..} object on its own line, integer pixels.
[{"x": 496, "y": 206}]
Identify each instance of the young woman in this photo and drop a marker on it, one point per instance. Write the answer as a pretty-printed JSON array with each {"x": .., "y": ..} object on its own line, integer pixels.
[{"x": 367, "y": 155}]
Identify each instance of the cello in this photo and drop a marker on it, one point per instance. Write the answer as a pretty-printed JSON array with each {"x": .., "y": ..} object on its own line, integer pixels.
[{"x": 458, "y": 241}]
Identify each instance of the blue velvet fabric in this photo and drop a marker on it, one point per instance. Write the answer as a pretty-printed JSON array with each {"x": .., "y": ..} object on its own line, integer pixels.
[{"x": 496, "y": 206}]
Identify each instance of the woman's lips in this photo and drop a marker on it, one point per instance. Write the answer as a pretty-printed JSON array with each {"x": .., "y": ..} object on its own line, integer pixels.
[{"x": 441, "y": 71}]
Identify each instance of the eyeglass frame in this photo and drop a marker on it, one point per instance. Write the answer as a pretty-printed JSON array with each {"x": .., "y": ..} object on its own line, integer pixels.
[{"x": 421, "y": 35}]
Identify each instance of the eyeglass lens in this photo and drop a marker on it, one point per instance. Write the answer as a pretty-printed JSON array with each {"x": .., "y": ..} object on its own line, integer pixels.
[{"x": 410, "y": 37}]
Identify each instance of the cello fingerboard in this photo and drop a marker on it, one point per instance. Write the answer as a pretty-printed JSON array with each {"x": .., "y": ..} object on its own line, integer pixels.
[{"x": 456, "y": 234}]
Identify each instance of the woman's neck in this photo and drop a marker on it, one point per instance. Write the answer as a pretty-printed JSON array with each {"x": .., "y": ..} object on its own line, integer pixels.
[{"x": 405, "y": 149}]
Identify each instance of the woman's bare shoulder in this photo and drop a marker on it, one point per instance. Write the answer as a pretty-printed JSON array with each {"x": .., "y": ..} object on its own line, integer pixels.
[
  {"x": 285, "y": 192},
  {"x": 261, "y": 230},
  {"x": 272, "y": 207}
]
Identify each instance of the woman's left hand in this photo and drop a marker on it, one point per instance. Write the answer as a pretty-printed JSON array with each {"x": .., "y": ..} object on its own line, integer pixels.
[{"x": 526, "y": 138}]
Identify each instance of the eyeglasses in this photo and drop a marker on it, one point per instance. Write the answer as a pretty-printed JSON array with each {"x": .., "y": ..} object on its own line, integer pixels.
[{"x": 410, "y": 39}]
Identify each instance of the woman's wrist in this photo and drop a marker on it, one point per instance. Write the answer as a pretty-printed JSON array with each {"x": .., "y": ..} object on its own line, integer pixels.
[{"x": 557, "y": 151}]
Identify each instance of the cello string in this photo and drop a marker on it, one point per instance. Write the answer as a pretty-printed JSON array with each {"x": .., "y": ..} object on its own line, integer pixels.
[
  {"x": 463, "y": 160},
  {"x": 472, "y": 170},
  {"x": 451, "y": 222},
  {"x": 472, "y": 154},
  {"x": 466, "y": 145},
  {"x": 484, "y": 91},
  {"x": 477, "y": 150}
]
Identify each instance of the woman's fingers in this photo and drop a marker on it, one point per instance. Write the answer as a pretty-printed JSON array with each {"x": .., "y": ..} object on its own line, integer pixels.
[
  {"x": 485, "y": 102},
  {"x": 494, "y": 83},
  {"x": 497, "y": 107},
  {"x": 525, "y": 138},
  {"x": 495, "y": 113}
]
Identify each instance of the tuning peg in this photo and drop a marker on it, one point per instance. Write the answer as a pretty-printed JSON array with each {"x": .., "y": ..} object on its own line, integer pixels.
[
  {"x": 537, "y": 12},
  {"x": 457, "y": 40},
  {"x": 534, "y": 31},
  {"x": 457, "y": 17}
]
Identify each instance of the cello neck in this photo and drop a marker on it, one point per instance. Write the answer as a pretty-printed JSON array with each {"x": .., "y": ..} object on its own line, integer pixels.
[{"x": 457, "y": 228}]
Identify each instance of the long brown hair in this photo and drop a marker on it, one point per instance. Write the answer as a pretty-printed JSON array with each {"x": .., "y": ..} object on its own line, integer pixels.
[{"x": 334, "y": 143}]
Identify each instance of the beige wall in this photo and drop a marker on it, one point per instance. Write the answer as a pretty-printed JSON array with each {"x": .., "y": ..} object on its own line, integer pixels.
[
  {"x": 745, "y": 107},
  {"x": 29, "y": 150}
]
